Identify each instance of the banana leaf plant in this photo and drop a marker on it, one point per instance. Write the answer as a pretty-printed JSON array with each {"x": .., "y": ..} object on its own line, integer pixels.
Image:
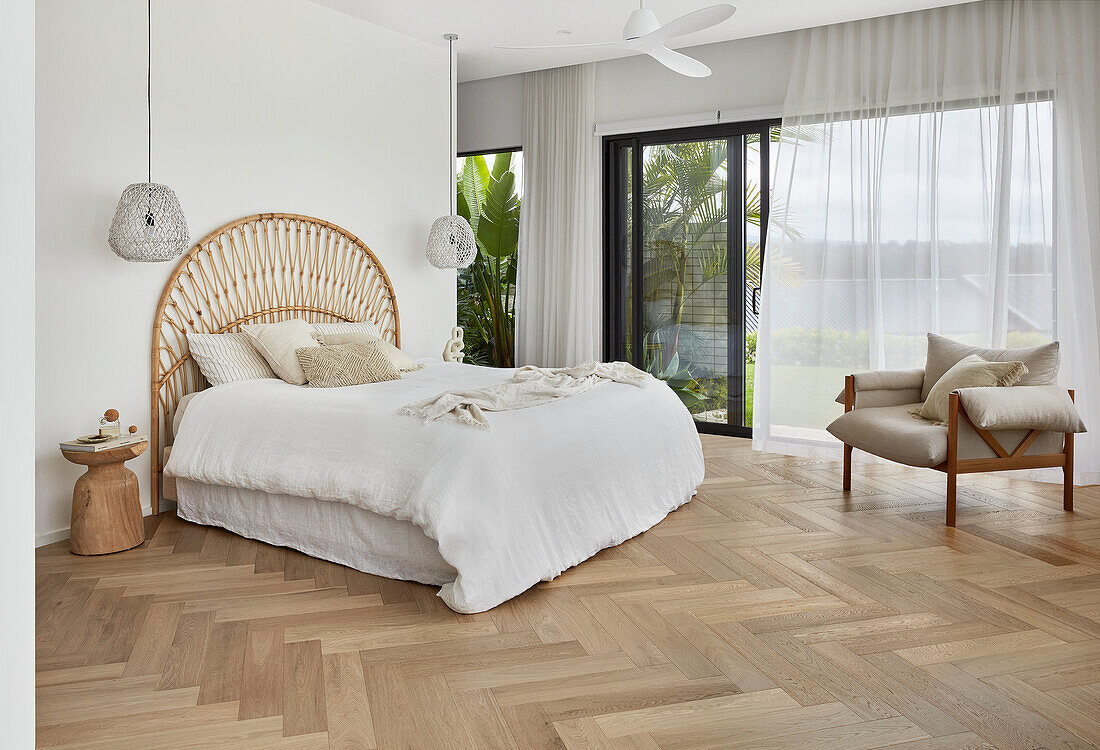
[{"x": 487, "y": 198}]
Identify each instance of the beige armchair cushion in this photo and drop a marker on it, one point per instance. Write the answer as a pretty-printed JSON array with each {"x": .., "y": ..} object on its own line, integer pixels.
[
  {"x": 1034, "y": 407},
  {"x": 970, "y": 372},
  {"x": 890, "y": 432},
  {"x": 943, "y": 354},
  {"x": 886, "y": 388}
]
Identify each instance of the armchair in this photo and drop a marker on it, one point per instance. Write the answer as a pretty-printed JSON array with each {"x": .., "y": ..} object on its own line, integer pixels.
[{"x": 1025, "y": 426}]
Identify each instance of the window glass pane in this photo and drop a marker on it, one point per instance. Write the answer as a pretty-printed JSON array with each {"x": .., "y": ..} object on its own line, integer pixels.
[
  {"x": 490, "y": 191},
  {"x": 625, "y": 254},
  {"x": 890, "y": 227},
  {"x": 683, "y": 275},
  {"x": 752, "y": 234}
]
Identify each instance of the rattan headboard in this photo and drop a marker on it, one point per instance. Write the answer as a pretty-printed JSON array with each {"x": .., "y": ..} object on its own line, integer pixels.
[{"x": 259, "y": 269}]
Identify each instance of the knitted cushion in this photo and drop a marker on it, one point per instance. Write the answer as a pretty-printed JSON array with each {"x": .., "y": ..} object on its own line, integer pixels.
[{"x": 346, "y": 364}]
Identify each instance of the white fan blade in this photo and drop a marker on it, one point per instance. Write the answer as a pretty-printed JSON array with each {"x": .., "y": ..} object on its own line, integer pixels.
[
  {"x": 561, "y": 46},
  {"x": 681, "y": 64},
  {"x": 689, "y": 23}
]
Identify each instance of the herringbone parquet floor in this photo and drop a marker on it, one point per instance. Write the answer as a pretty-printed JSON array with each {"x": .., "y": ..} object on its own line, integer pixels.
[{"x": 773, "y": 611}]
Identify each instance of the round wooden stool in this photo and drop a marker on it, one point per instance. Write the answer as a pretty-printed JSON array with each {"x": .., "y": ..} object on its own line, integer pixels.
[{"x": 106, "y": 502}]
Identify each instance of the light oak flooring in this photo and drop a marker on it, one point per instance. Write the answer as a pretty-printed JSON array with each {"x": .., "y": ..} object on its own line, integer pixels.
[{"x": 773, "y": 611}]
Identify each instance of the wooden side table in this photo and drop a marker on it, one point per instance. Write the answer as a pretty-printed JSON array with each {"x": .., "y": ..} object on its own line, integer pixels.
[{"x": 106, "y": 502}]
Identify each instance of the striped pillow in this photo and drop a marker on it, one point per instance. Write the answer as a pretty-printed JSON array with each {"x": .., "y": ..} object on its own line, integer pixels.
[
  {"x": 226, "y": 357},
  {"x": 364, "y": 326}
]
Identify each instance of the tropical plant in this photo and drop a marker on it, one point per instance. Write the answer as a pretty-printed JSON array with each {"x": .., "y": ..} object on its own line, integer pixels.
[
  {"x": 678, "y": 377},
  {"x": 487, "y": 198},
  {"x": 684, "y": 213}
]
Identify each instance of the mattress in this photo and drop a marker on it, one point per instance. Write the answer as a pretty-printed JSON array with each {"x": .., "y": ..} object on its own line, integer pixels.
[{"x": 339, "y": 532}]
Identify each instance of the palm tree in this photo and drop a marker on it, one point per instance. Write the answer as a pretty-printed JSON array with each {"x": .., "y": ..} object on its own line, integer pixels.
[
  {"x": 684, "y": 215},
  {"x": 683, "y": 207}
]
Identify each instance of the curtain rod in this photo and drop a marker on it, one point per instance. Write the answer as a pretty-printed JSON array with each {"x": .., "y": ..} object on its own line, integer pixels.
[{"x": 710, "y": 117}]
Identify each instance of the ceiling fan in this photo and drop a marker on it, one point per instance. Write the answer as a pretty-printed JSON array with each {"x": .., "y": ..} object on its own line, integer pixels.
[{"x": 643, "y": 33}]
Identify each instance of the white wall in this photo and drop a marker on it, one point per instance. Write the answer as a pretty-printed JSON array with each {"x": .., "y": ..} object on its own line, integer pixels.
[
  {"x": 748, "y": 74},
  {"x": 17, "y": 378},
  {"x": 258, "y": 105}
]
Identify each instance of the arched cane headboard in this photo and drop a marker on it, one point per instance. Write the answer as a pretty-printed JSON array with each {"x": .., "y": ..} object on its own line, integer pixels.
[{"x": 259, "y": 269}]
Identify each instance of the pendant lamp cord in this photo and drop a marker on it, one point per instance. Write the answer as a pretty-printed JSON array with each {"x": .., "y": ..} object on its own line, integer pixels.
[
  {"x": 149, "y": 82},
  {"x": 451, "y": 145}
]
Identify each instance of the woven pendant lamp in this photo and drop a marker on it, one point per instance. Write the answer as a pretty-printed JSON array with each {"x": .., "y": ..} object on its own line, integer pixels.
[
  {"x": 451, "y": 241},
  {"x": 149, "y": 225}
]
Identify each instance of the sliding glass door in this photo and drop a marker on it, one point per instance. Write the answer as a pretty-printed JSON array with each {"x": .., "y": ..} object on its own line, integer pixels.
[{"x": 683, "y": 217}]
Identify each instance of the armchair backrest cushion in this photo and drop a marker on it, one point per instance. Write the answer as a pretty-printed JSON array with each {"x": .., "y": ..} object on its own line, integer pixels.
[{"x": 943, "y": 354}]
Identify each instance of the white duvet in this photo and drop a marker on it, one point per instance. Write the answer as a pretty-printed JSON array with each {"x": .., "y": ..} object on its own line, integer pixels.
[{"x": 546, "y": 488}]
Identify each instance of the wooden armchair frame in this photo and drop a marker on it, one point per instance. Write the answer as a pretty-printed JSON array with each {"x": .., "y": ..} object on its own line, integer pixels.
[{"x": 1004, "y": 460}]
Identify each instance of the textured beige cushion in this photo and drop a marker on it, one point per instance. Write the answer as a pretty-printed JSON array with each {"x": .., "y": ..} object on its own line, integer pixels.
[
  {"x": 971, "y": 372},
  {"x": 400, "y": 360},
  {"x": 943, "y": 353},
  {"x": 1030, "y": 407},
  {"x": 278, "y": 342},
  {"x": 346, "y": 364},
  {"x": 890, "y": 432}
]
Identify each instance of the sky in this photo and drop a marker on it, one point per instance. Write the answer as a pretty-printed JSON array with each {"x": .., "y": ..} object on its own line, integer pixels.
[{"x": 920, "y": 161}]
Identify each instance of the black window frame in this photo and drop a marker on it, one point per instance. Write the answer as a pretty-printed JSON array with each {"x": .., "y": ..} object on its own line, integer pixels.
[
  {"x": 488, "y": 151},
  {"x": 614, "y": 302}
]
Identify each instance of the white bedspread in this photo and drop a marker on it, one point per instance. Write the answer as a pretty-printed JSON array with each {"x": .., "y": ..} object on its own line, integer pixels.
[
  {"x": 546, "y": 488},
  {"x": 530, "y": 386}
]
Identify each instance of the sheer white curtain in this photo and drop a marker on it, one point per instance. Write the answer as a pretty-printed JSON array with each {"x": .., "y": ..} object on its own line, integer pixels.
[
  {"x": 937, "y": 171},
  {"x": 558, "y": 279}
]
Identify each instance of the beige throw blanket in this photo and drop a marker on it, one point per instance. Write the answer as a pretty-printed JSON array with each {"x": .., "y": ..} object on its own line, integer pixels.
[{"x": 530, "y": 386}]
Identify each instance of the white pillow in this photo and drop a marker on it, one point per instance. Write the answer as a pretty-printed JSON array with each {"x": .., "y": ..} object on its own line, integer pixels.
[
  {"x": 227, "y": 357},
  {"x": 361, "y": 327},
  {"x": 278, "y": 344}
]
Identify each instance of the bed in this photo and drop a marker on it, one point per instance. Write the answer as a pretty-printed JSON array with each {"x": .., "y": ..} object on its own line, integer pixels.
[{"x": 339, "y": 474}]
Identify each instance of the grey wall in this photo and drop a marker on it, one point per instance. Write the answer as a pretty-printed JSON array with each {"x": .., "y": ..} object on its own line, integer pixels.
[{"x": 749, "y": 74}]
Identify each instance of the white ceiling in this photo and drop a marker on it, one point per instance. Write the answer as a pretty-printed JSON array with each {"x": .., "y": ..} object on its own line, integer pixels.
[{"x": 483, "y": 24}]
